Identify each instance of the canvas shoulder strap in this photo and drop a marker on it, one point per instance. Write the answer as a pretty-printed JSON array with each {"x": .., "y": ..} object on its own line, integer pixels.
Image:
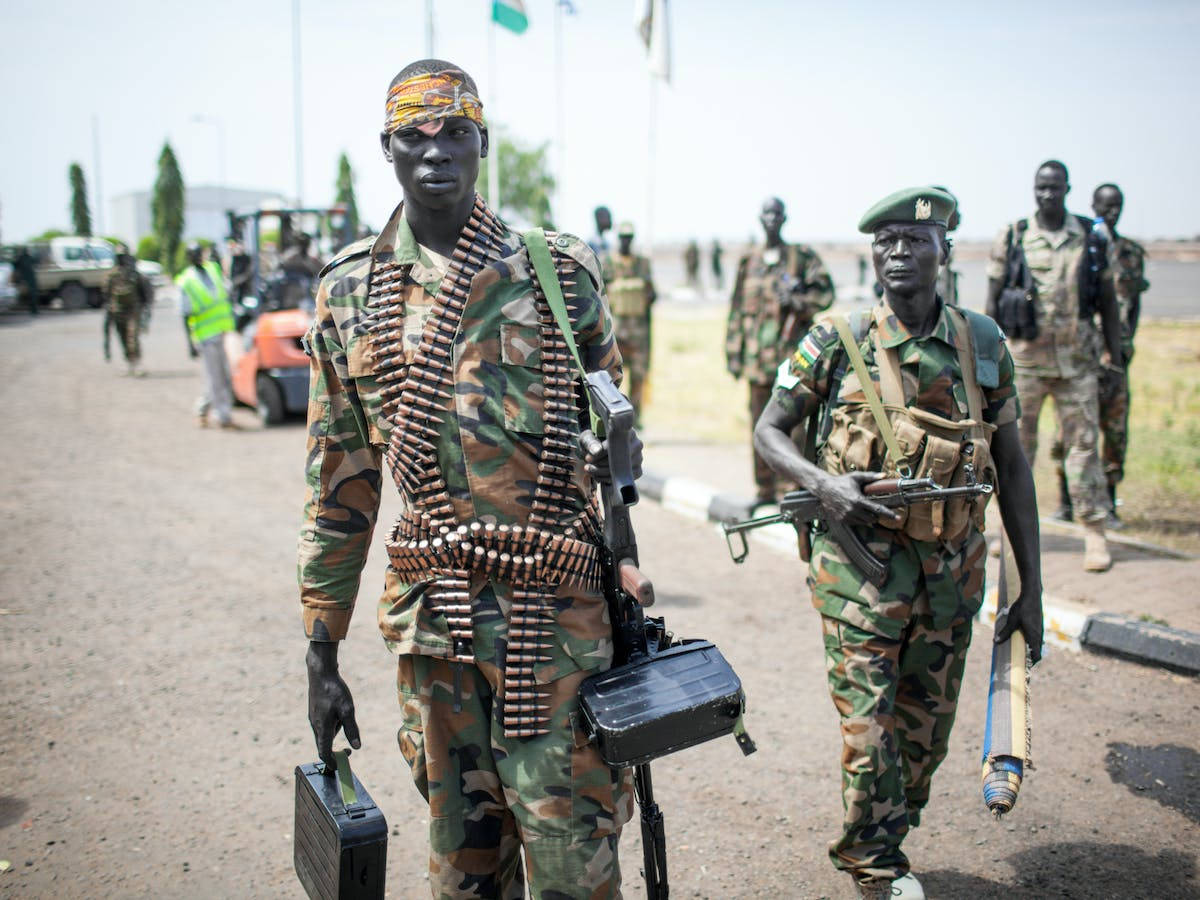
[
  {"x": 964, "y": 343},
  {"x": 868, "y": 388},
  {"x": 547, "y": 277}
]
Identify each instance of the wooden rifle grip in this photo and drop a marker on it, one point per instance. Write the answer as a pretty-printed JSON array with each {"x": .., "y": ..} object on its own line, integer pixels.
[
  {"x": 634, "y": 583},
  {"x": 882, "y": 486}
]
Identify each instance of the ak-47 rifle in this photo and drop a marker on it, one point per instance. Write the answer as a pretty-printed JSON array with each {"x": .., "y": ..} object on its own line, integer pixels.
[
  {"x": 799, "y": 508},
  {"x": 627, "y": 590}
]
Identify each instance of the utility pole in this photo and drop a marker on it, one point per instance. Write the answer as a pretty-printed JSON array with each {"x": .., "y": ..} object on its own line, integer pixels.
[{"x": 297, "y": 111}]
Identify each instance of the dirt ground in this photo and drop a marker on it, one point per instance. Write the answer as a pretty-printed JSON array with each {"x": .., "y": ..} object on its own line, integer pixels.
[{"x": 154, "y": 695}]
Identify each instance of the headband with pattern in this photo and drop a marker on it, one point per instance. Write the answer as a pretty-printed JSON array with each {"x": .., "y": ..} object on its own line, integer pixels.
[{"x": 429, "y": 97}]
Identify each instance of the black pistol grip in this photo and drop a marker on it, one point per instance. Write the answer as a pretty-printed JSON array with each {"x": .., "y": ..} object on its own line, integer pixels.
[{"x": 872, "y": 569}]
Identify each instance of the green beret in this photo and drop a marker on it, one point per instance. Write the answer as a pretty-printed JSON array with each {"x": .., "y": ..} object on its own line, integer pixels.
[
  {"x": 625, "y": 228},
  {"x": 911, "y": 206}
]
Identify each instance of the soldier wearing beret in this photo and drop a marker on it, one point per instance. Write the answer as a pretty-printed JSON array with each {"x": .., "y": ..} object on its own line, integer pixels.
[
  {"x": 630, "y": 289},
  {"x": 895, "y": 654},
  {"x": 777, "y": 290},
  {"x": 437, "y": 361}
]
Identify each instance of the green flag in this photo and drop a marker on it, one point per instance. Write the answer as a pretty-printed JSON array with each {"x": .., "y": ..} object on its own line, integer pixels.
[{"x": 510, "y": 14}]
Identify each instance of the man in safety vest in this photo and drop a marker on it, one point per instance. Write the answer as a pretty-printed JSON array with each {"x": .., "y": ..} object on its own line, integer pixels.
[{"x": 207, "y": 316}]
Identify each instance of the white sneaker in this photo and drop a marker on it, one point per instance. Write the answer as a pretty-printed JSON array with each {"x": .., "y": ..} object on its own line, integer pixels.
[{"x": 908, "y": 888}]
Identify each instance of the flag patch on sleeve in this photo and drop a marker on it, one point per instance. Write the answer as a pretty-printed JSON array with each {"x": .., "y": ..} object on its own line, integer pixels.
[{"x": 807, "y": 353}]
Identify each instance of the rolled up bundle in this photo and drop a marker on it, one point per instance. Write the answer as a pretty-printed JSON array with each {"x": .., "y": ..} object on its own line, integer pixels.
[{"x": 1006, "y": 739}]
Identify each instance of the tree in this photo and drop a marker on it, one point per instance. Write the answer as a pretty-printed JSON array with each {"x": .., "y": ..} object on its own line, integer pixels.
[
  {"x": 345, "y": 196},
  {"x": 525, "y": 180},
  {"x": 148, "y": 248},
  {"x": 166, "y": 209},
  {"x": 81, "y": 217}
]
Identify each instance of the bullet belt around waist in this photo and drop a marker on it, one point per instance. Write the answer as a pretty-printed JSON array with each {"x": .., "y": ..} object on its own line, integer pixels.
[{"x": 515, "y": 554}]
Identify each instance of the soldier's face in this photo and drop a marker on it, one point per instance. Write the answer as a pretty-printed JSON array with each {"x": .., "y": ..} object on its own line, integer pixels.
[
  {"x": 436, "y": 166},
  {"x": 1050, "y": 190},
  {"x": 1107, "y": 204},
  {"x": 626, "y": 243},
  {"x": 907, "y": 257},
  {"x": 772, "y": 218}
]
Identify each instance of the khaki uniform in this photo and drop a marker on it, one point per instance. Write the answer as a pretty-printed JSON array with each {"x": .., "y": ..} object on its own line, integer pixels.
[
  {"x": 763, "y": 329},
  {"x": 1063, "y": 362},
  {"x": 630, "y": 289}
]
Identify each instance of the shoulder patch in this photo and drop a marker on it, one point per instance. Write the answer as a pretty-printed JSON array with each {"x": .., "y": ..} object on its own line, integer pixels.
[
  {"x": 578, "y": 250},
  {"x": 347, "y": 253}
]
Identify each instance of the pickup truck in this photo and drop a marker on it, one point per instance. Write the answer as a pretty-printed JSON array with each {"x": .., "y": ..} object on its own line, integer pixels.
[{"x": 73, "y": 269}]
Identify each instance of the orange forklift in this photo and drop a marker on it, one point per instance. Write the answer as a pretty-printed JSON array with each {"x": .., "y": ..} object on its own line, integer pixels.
[{"x": 274, "y": 295}]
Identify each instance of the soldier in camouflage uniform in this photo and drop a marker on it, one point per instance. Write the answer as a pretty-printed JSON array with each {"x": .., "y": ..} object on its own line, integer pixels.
[
  {"x": 1127, "y": 269},
  {"x": 126, "y": 293},
  {"x": 434, "y": 349},
  {"x": 895, "y": 654},
  {"x": 630, "y": 289},
  {"x": 1065, "y": 358},
  {"x": 948, "y": 277},
  {"x": 777, "y": 290}
]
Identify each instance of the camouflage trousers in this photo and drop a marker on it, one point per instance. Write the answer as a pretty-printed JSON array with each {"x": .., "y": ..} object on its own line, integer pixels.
[
  {"x": 633, "y": 340},
  {"x": 127, "y": 323},
  {"x": 1077, "y": 403},
  {"x": 491, "y": 796},
  {"x": 897, "y": 700},
  {"x": 1113, "y": 397}
]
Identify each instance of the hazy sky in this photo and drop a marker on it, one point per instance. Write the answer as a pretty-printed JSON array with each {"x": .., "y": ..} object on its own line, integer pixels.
[{"x": 829, "y": 105}]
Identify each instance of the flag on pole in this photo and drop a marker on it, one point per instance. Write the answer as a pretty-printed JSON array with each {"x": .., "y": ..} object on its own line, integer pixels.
[
  {"x": 652, "y": 24},
  {"x": 510, "y": 14}
]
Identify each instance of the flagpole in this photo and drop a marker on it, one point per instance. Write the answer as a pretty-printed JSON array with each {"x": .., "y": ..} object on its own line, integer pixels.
[
  {"x": 429, "y": 29},
  {"x": 493, "y": 159},
  {"x": 559, "y": 91}
]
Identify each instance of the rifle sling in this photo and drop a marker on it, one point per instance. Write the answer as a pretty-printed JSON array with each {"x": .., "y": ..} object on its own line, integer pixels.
[
  {"x": 547, "y": 277},
  {"x": 868, "y": 389}
]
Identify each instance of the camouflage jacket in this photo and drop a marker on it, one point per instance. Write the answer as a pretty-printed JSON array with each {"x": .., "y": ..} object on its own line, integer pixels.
[
  {"x": 762, "y": 330},
  {"x": 1066, "y": 346},
  {"x": 125, "y": 291},
  {"x": 819, "y": 375},
  {"x": 628, "y": 284},
  {"x": 1127, "y": 265},
  {"x": 488, "y": 437}
]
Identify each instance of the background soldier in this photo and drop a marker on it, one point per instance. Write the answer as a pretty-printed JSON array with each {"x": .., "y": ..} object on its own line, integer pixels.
[
  {"x": 630, "y": 290},
  {"x": 127, "y": 294},
  {"x": 25, "y": 275},
  {"x": 691, "y": 263},
  {"x": 718, "y": 270},
  {"x": 895, "y": 654},
  {"x": 947, "y": 286},
  {"x": 776, "y": 292},
  {"x": 1064, "y": 359},
  {"x": 207, "y": 317},
  {"x": 599, "y": 243},
  {"x": 432, "y": 341}
]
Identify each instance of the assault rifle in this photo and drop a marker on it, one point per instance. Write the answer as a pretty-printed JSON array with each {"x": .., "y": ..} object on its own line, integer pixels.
[
  {"x": 799, "y": 508},
  {"x": 627, "y": 590}
]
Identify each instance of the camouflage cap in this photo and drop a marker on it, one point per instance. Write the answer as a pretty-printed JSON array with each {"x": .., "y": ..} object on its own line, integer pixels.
[
  {"x": 911, "y": 206},
  {"x": 625, "y": 228}
]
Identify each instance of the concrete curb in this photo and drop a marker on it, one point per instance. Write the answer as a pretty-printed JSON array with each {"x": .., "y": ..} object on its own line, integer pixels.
[{"x": 1067, "y": 626}]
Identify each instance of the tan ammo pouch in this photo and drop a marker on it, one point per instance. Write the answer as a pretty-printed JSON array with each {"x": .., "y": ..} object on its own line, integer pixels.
[
  {"x": 627, "y": 296},
  {"x": 919, "y": 444}
]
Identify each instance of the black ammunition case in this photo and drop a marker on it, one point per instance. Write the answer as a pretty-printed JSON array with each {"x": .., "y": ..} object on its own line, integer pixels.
[
  {"x": 341, "y": 850},
  {"x": 659, "y": 703}
]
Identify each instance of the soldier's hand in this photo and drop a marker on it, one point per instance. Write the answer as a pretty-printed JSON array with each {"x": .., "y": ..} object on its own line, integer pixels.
[
  {"x": 1026, "y": 614},
  {"x": 330, "y": 706},
  {"x": 842, "y": 499},
  {"x": 595, "y": 455}
]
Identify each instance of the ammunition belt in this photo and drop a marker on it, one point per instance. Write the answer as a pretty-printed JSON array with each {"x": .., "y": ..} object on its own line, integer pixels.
[{"x": 558, "y": 545}]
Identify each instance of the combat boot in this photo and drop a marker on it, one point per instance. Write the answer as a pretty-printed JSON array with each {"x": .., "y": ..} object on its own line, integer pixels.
[
  {"x": 906, "y": 887},
  {"x": 873, "y": 889},
  {"x": 1064, "y": 513},
  {"x": 1113, "y": 522},
  {"x": 1096, "y": 557}
]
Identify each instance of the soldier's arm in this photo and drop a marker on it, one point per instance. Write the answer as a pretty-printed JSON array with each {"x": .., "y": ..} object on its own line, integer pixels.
[
  {"x": 1018, "y": 510},
  {"x": 997, "y": 260},
  {"x": 1110, "y": 319},
  {"x": 818, "y": 284},
  {"x": 734, "y": 338}
]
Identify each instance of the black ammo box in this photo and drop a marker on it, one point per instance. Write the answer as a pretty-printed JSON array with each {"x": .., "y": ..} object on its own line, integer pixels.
[
  {"x": 341, "y": 849},
  {"x": 657, "y": 704}
]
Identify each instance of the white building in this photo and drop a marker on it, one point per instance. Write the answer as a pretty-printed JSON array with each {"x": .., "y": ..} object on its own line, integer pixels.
[{"x": 203, "y": 211}]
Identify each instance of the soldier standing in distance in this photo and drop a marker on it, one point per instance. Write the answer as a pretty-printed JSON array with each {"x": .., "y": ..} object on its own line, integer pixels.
[
  {"x": 630, "y": 289},
  {"x": 691, "y": 263},
  {"x": 127, "y": 293},
  {"x": 1065, "y": 359},
  {"x": 895, "y": 654},
  {"x": 947, "y": 286},
  {"x": 434, "y": 348},
  {"x": 718, "y": 270},
  {"x": 776, "y": 292},
  {"x": 1127, "y": 268}
]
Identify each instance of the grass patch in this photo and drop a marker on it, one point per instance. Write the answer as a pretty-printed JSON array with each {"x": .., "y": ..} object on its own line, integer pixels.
[{"x": 692, "y": 396}]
